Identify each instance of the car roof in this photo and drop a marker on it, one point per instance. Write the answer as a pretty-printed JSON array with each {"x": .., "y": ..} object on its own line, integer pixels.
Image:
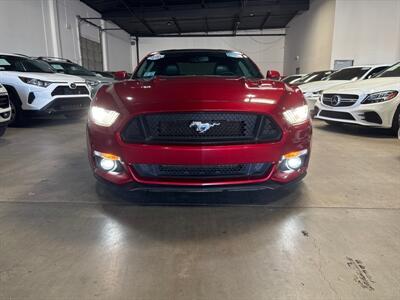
[
  {"x": 171, "y": 51},
  {"x": 365, "y": 66},
  {"x": 15, "y": 54}
]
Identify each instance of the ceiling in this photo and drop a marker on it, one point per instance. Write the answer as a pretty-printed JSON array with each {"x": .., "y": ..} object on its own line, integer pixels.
[{"x": 159, "y": 17}]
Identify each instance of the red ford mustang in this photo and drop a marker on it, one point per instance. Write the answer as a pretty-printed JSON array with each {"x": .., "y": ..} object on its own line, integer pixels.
[{"x": 199, "y": 120}]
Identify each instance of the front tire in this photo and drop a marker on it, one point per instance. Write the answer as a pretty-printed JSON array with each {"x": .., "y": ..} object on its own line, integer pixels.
[
  {"x": 17, "y": 114},
  {"x": 396, "y": 122}
]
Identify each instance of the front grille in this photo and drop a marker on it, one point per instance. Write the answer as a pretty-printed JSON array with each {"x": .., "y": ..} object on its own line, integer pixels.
[
  {"x": 201, "y": 128},
  {"x": 336, "y": 115},
  {"x": 4, "y": 103},
  {"x": 68, "y": 104},
  {"x": 201, "y": 172},
  {"x": 339, "y": 100},
  {"x": 66, "y": 91}
]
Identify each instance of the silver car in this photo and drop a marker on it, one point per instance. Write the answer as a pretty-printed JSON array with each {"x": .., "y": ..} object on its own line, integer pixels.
[{"x": 65, "y": 66}]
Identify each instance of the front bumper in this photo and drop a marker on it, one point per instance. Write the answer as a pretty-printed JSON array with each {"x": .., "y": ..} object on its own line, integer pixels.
[
  {"x": 62, "y": 106},
  {"x": 295, "y": 139},
  {"x": 372, "y": 115},
  {"x": 136, "y": 187},
  {"x": 35, "y": 98}
]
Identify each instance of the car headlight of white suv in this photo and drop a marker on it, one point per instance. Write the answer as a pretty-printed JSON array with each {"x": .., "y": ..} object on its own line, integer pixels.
[
  {"x": 379, "y": 97},
  {"x": 37, "y": 82}
]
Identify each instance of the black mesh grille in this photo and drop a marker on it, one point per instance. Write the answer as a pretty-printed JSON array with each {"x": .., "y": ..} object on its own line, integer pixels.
[
  {"x": 202, "y": 127},
  {"x": 339, "y": 100},
  {"x": 336, "y": 115},
  {"x": 68, "y": 104},
  {"x": 4, "y": 103},
  {"x": 202, "y": 172},
  {"x": 66, "y": 90}
]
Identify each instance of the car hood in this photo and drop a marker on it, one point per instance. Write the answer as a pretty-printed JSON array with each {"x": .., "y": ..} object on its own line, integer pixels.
[
  {"x": 52, "y": 77},
  {"x": 97, "y": 78},
  {"x": 317, "y": 86},
  {"x": 162, "y": 93},
  {"x": 367, "y": 86}
]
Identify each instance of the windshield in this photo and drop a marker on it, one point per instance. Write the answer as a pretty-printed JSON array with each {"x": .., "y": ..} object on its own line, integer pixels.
[
  {"x": 393, "y": 71},
  {"x": 71, "y": 69},
  {"x": 198, "y": 63},
  {"x": 315, "y": 76},
  {"x": 349, "y": 73},
  {"x": 23, "y": 64},
  {"x": 291, "y": 78}
]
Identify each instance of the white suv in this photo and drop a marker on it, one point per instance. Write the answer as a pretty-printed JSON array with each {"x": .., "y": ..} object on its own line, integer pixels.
[
  {"x": 35, "y": 89},
  {"x": 313, "y": 90},
  {"x": 374, "y": 102},
  {"x": 5, "y": 110}
]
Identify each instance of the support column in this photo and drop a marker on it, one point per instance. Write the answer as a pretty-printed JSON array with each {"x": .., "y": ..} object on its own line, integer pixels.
[
  {"x": 103, "y": 42},
  {"x": 54, "y": 28}
]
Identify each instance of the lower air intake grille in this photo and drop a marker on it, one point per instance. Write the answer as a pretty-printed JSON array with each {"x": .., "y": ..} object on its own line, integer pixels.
[
  {"x": 336, "y": 115},
  {"x": 202, "y": 172},
  {"x": 68, "y": 104},
  {"x": 201, "y": 128}
]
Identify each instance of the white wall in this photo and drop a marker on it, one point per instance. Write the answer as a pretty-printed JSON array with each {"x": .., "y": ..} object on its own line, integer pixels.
[
  {"x": 308, "y": 41},
  {"x": 33, "y": 32},
  {"x": 367, "y": 31},
  {"x": 119, "y": 49},
  {"x": 265, "y": 51},
  {"x": 23, "y": 29}
]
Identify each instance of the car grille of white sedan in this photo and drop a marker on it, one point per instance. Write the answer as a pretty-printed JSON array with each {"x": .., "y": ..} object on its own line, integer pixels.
[{"x": 339, "y": 100}]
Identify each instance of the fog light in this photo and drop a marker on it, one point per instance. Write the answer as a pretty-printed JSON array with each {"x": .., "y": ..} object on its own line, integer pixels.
[
  {"x": 294, "y": 163},
  {"x": 108, "y": 164},
  {"x": 5, "y": 115}
]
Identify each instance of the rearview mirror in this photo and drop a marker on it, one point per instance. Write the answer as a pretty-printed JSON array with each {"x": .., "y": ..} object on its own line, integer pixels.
[
  {"x": 273, "y": 75},
  {"x": 121, "y": 75}
]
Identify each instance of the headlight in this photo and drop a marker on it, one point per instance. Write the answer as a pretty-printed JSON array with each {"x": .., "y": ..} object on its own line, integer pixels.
[
  {"x": 380, "y": 97},
  {"x": 93, "y": 83},
  {"x": 296, "y": 115},
  {"x": 103, "y": 117},
  {"x": 2, "y": 90},
  {"x": 36, "y": 82}
]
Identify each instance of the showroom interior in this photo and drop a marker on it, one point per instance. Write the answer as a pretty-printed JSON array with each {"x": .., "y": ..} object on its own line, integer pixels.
[{"x": 118, "y": 179}]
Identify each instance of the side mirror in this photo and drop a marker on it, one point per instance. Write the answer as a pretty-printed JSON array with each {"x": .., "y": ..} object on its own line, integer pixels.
[
  {"x": 273, "y": 75},
  {"x": 121, "y": 75}
]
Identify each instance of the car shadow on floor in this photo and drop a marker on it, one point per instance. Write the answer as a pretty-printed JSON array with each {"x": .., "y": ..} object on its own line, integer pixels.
[
  {"x": 50, "y": 122},
  {"x": 176, "y": 218},
  {"x": 379, "y": 133},
  {"x": 281, "y": 197}
]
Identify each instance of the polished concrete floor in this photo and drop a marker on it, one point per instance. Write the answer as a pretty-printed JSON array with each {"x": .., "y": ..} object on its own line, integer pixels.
[{"x": 62, "y": 236}]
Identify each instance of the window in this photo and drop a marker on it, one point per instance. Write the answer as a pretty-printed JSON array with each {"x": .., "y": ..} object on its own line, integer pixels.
[
  {"x": 22, "y": 64},
  {"x": 376, "y": 71},
  {"x": 198, "y": 63},
  {"x": 349, "y": 73},
  {"x": 71, "y": 69},
  {"x": 393, "y": 71}
]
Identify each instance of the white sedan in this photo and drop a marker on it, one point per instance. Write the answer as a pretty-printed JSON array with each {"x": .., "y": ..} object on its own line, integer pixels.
[
  {"x": 374, "y": 102},
  {"x": 312, "y": 91}
]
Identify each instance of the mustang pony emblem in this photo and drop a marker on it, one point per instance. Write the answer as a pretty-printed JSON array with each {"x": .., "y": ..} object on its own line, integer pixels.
[{"x": 202, "y": 127}]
